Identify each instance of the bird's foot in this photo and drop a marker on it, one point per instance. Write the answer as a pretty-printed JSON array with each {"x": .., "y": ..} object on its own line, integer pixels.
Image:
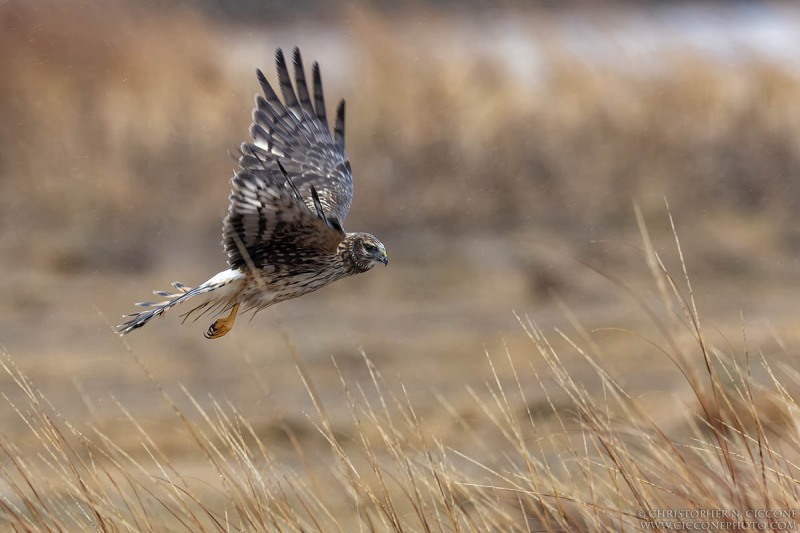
[
  {"x": 218, "y": 329},
  {"x": 221, "y": 326}
]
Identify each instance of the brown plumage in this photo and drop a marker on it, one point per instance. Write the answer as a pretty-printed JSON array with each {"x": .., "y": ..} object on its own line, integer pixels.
[{"x": 283, "y": 232}]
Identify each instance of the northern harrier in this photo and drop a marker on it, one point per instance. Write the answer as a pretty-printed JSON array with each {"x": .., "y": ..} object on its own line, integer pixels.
[{"x": 283, "y": 231}]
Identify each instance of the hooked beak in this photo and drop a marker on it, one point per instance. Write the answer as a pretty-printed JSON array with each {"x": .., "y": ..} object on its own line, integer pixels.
[{"x": 384, "y": 260}]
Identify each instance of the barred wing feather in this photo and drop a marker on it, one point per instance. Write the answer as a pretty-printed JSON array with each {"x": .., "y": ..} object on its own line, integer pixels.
[{"x": 295, "y": 185}]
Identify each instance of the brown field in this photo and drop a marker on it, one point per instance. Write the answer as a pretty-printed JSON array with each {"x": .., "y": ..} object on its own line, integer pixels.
[{"x": 537, "y": 356}]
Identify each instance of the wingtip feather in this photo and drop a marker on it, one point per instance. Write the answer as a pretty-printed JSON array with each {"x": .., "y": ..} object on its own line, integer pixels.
[
  {"x": 338, "y": 130},
  {"x": 280, "y": 60}
]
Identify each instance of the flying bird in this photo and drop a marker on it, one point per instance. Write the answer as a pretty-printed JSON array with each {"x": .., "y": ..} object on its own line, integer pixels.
[{"x": 283, "y": 233}]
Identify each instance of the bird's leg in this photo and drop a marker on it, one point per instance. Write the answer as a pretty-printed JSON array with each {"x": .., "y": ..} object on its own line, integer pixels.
[{"x": 221, "y": 326}]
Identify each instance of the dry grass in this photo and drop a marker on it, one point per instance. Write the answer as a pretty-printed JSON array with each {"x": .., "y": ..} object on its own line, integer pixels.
[
  {"x": 103, "y": 122},
  {"x": 488, "y": 187},
  {"x": 586, "y": 460}
]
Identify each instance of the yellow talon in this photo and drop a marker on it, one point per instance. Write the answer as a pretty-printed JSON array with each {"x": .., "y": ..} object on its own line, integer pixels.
[{"x": 221, "y": 326}]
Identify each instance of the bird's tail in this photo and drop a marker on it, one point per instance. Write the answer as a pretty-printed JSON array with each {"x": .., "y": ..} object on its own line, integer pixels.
[{"x": 230, "y": 280}]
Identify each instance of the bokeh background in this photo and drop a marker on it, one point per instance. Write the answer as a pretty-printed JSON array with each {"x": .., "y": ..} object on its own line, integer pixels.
[{"x": 498, "y": 151}]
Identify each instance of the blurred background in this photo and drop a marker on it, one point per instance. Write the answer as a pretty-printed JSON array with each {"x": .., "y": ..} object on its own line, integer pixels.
[{"x": 498, "y": 151}]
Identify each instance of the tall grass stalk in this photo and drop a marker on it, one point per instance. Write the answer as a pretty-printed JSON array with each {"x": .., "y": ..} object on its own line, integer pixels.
[{"x": 596, "y": 459}]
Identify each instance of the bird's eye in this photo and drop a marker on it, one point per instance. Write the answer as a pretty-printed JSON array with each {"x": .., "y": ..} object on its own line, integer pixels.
[{"x": 371, "y": 248}]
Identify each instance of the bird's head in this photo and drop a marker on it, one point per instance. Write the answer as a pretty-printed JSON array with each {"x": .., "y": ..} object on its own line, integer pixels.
[{"x": 365, "y": 250}]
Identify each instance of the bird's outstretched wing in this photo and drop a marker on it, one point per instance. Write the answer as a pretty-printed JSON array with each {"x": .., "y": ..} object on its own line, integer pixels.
[
  {"x": 295, "y": 186},
  {"x": 269, "y": 224}
]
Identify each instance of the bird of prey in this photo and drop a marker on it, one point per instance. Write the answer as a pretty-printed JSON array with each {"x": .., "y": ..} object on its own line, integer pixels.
[{"x": 283, "y": 232}]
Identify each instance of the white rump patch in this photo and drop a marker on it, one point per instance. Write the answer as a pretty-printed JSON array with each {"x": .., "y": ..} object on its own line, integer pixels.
[
  {"x": 222, "y": 286},
  {"x": 226, "y": 276}
]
